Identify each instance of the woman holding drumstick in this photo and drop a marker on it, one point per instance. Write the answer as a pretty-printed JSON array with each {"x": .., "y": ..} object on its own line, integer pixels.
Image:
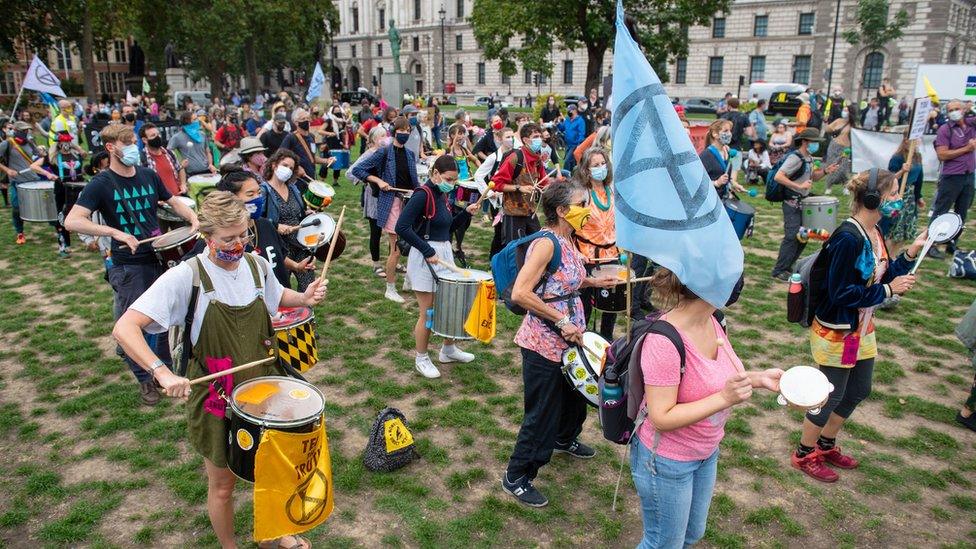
[
  {"x": 860, "y": 275},
  {"x": 230, "y": 326}
]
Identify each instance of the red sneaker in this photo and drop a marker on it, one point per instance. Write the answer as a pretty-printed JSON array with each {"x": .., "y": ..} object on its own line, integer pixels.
[
  {"x": 837, "y": 459},
  {"x": 813, "y": 465},
  {"x": 21, "y": 239}
]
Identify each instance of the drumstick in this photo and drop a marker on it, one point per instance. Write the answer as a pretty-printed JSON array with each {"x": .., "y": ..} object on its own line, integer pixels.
[
  {"x": 151, "y": 239},
  {"x": 605, "y": 260},
  {"x": 335, "y": 238},
  {"x": 229, "y": 371},
  {"x": 396, "y": 190},
  {"x": 463, "y": 272},
  {"x": 635, "y": 280},
  {"x": 921, "y": 254}
]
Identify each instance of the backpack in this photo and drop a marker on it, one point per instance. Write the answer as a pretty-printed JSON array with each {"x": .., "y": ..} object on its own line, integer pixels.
[
  {"x": 813, "y": 272},
  {"x": 516, "y": 171},
  {"x": 963, "y": 265},
  {"x": 816, "y": 119},
  {"x": 390, "y": 444},
  {"x": 622, "y": 408},
  {"x": 430, "y": 210},
  {"x": 774, "y": 191},
  {"x": 507, "y": 263}
]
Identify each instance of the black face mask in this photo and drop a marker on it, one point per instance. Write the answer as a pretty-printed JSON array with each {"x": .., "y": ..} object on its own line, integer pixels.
[
  {"x": 129, "y": 117},
  {"x": 156, "y": 142},
  {"x": 303, "y": 125}
]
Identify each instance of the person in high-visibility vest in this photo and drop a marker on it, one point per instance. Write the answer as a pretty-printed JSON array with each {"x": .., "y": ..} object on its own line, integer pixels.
[{"x": 65, "y": 121}]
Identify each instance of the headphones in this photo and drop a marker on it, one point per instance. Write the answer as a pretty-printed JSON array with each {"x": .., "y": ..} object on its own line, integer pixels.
[{"x": 872, "y": 197}]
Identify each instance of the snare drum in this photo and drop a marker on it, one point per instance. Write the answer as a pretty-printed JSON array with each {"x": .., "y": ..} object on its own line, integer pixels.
[
  {"x": 201, "y": 185},
  {"x": 169, "y": 219},
  {"x": 582, "y": 369},
  {"x": 295, "y": 329},
  {"x": 172, "y": 246},
  {"x": 611, "y": 300},
  {"x": 341, "y": 159},
  {"x": 37, "y": 202},
  {"x": 742, "y": 215},
  {"x": 274, "y": 403},
  {"x": 317, "y": 238},
  {"x": 318, "y": 195},
  {"x": 453, "y": 299},
  {"x": 820, "y": 212}
]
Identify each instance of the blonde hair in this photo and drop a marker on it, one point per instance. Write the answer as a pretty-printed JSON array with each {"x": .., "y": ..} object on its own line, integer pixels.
[
  {"x": 221, "y": 209},
  {"x": 858, "y": 186},
  {"x": 113, "y": 133}
]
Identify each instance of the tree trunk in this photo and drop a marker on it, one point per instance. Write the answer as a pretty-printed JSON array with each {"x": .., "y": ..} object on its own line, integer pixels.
[
  {"x": 87, "y": 61},
  {"x": 216, "y": 77},
  {"x": 251, "y": 67},
  {"x": 594, "y": 67}
]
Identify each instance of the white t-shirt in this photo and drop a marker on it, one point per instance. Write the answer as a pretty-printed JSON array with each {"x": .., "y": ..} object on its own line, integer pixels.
[
  {"x": 267, "y": 126},
  {"x": 167, "y": 300}
]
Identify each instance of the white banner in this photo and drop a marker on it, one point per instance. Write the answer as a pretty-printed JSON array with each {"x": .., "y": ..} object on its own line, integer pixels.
[
  {"x": 874, "y": 150},
  {"x": 40, "y": 78}
]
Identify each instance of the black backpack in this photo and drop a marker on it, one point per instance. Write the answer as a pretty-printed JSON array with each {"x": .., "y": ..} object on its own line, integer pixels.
[
  {"x": 390, "y": 444},
  {"x": 813, "y": 272}
]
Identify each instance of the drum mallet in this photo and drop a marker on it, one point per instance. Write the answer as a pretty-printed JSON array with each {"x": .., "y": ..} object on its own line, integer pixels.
[
  {"x": 150, "y": 239},
  {"x": 335, "y": 238},
  {"x": 310, "y": 223},
  {"x": 233, "y": 370},
  {"x": 450, "y": 266}
]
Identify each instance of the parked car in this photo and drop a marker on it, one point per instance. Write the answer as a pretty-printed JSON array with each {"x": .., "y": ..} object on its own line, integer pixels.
[
  {"x": 199, "y": 98},
  {"x": 483, "y": 101},
  {"x": 780, "y": 97},
  {"x": 699, "y": 105},
  {"x": 573, "y": 99},
  {"x": 355, "y": 97}
]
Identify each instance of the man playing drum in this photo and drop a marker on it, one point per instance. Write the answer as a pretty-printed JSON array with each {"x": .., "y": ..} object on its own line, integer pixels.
[
  {"x": 230, "y": 325},
  {"x": 126, "y": 195}
]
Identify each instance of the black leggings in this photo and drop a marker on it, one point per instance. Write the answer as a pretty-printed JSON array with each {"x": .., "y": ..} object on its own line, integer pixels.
[
  {"x": 459, "y": 226},
  {"x": 851, "y": 386},
  {"x": 375, "y": 234},
  {"x": 607, "y": 320}
]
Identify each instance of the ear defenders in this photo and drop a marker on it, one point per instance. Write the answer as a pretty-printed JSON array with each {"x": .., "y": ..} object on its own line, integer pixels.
[{"x": 872, "y": 197}]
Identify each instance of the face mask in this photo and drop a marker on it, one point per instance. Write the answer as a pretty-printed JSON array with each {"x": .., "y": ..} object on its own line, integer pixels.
[
  {"x": 402, "y": 138},
  {"x": 535, "y": 144},
  {"x": 303, "y": 126},
  {"x": 255, "y": 206},
  {"x": 130, "y": 155},
  {"x": 9, "y": 133},
  {"x": 445, "y": 186},
  {"x": 385, "y": 141},
  {"x": 414, "y": 121},
  {"x": 283, "y": 173},
  {"x": 258, "y": 159},
  {"x": 497, "y": 125},
  {"x": 378, "y": 118},
  {"x": 156, "y": 142},
  {"x": 844, "y": 115},
  {"x": 955, "y": 116},
  {"x": 599, "y": 173},
  {"x": 20, "y": 136},
  {"x": 813, "y": 148},
  {"x": 509, "y": 142},
  {"x": 891, "y": 208},
  {"x": 279, "y": 126},
  {"x": 725, "y": 137},
  {"x": 232, "y": 255},
  {"x": 129, "y": 117},
  {"x": 577, "y": 217}
]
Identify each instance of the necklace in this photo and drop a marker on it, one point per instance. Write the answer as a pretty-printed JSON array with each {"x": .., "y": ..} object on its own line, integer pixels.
[{"x": 596, "y": 198}]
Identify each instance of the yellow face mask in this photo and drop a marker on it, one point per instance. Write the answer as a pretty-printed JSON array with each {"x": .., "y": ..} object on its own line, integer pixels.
[{"x": 577, "y": 217}]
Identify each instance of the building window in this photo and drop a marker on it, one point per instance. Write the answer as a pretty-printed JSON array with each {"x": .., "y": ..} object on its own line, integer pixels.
[
  {"x": 757, "y": 68},
  {"x": 379, "y": 73},
  {"x": 801, "y": 69},
  {"x": 111, "y": 82},
  {"x": 335, "y": 51},
  {"x": 379, "y": 50},
  {"x": 8, "y": 84},
  {"x": 681, "y": 70},
  {"x": 873, "y": 66},
  {"x": 459, "y": 42},
  {"x": 382, "y": 12},
  {"x": 506, "y": 79},
  {"x": 806, "y": 24},
  {"x": 354, "y": 51},
  {"x": 718, "y": 27},
  {"x": 953, "y": 55},
  {"x": 121, "y": 56},
  {"x": 460, "y": 9},
  {"x": 63, "y": 51},
  {"x": 416, "y": 10},
  {"x": 481, "y": 74},
  {"x": 715, "y": 70},
  {"x": 458, "y": 73},
  {"x": 418, "y": 69},
  {"x": 761, "y": 25},
  {"x": 528, "y": 76},
  {"x": 416, "y": 43},
  {"x": 541, "y": 77},
  {"x": 101, "y": 55},
  {"x": 568, "y": 72},
  {"x": 355, "y": 20}
]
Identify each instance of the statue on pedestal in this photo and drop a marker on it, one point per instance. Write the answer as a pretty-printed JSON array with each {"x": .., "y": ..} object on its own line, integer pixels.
[{"x": 395, "y": 46}]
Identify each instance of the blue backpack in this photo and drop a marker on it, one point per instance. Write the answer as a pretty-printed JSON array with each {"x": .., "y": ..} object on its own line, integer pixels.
[
  {"x": 507, "y": 263},
  {"x": 774, "y": 191}
]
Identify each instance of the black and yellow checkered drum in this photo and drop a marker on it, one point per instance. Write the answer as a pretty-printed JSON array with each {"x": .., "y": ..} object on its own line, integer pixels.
[{"x": 295, "y": 328}]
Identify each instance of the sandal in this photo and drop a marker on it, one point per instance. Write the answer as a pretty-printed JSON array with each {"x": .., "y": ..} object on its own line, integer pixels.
[
  {"x": 300, "y": 543},
  {"x": 400, "y": 268},
  {"x": 379, "y": 271}
]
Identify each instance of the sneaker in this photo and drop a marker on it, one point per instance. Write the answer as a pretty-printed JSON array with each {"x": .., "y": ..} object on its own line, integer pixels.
[
  {"x": 890, "y": 302},
  {"x": 393, "y": 296},
  {"x": 837, "y": 459},
  {"x": 453, "y": 354},
  {"x": 813, "y": 465},
  {"x": 426, "y": 368},
  {"x": 576, "y": 449},
  {"x": 967, "y": 422},
  {"x": 936, "y": 253},
  {"x": 21, "y": 239},
  {"x": 783, "y": 275},
  {"x": 149, "y": 393},
  {"x": 460, "y": 259},
  {"x": 523, "y": 491},
  {"x": 64, "y": 253}
]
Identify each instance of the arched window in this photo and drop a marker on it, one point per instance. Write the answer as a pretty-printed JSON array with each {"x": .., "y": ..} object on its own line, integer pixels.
[
  {"x": 953, "y": 55},
  {"x": 873, "y": 68}
]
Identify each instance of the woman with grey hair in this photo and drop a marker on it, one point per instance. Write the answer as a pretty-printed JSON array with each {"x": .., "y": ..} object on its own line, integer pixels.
[
  {"x": 554, "y": 411},
  {"x": 378, "y": 138},
  {"x": 303, "y": 145}
]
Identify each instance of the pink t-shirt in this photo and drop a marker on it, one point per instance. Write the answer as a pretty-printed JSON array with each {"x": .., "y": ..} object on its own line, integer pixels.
[{"x": 703, "y": 377}]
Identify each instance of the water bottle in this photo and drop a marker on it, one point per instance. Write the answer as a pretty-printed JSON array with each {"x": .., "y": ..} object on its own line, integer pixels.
[
  {"x": 108, "y": 262},
  {"x": 429, "y": 323},
  {"x": 795, "y": 301},
  {"x": 612, "y": 391}
]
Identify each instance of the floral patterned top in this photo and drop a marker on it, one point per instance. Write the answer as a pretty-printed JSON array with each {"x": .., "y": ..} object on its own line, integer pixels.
[{"x": 534, "y": 335}]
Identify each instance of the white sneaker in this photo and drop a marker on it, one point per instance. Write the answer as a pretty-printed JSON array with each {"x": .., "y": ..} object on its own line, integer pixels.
[
  {"x": 426, "y": 367},
  {"x": 453, "y": 354},
  {"x": 393, "y": 296},
  {"x": 828, "y": 191}
]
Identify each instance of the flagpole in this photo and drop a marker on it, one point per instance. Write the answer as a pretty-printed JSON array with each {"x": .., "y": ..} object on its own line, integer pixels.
[
  {"x": 630, "y": 297},
  {"x": 13, "y": 113}
]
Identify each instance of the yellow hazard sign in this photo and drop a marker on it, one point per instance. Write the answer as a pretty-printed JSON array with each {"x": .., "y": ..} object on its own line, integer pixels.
[{"x": 397, "y": 435}]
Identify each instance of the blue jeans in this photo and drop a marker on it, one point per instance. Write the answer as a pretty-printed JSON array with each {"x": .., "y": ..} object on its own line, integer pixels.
[
  {"x": 674, "y": 495},
  {"x": 129, "y": 282},
  {"x": 15, "y": 209}
]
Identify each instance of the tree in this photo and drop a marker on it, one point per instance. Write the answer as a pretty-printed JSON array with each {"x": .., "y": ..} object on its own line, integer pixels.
[
  {"x": 525, "y": 32},
  {"x": 873, "y": 29}
]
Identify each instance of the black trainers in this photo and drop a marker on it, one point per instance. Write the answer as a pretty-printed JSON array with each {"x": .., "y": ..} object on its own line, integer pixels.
[
  {"x": 782, "y": 275},
  {"x": 523, "y": 491},
  {"x": 576, "y": 449},
  {"x": 936, "y": 253},
  {"x": 967, "y": 422},
  {"x": 460, "y": 259}
]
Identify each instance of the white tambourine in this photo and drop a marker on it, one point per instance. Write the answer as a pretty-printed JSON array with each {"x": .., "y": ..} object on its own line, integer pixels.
[{"x": 805, "y": 388}]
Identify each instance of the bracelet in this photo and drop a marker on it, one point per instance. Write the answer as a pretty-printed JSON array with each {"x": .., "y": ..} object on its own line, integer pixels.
[
  {"x": 910, "y": 257},
  {"x": 562, "y": 322}
]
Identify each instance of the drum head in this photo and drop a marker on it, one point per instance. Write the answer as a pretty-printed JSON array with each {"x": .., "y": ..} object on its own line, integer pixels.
[
  {"x": 804, "y": 386},
  {"x": 289, "y": 317},
  {"x": 313, "y": 236},
  {"x": 277, "y": 401},
  {"x": 740, "y": 206},
  {"x": 945, "y": 227},
  {"x": 174, "y": 238},
  {"x": 319, "y": 188},
  {"x": 819, "y": 201},
  {"x": 468, "y": 275},
  {"x": 204, "y": 179},
  {"x": 322, "y": 253},
  {"x": 616, "y": 271},
  {"x": 37, "y": 185},
  {"x": 468, "y": 184}
]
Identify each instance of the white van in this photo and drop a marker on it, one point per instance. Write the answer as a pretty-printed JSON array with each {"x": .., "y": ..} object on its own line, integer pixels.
[{"x": 200, "y": 98}]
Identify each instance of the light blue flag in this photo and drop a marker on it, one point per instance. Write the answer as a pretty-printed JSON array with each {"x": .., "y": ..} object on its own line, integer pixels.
[
  {"x": 316, "y": 85},
  {"x": 666, "y": 206}
]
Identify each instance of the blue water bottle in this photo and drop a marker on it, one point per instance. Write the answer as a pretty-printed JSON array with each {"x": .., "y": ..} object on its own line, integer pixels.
[
  {"x": 429, "y": 323},
  {"x": 612, "y": 391}
]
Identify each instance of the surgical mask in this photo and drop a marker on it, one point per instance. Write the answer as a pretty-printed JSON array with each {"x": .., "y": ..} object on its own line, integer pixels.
[
  {"x": 303, "y": 126},
  {"x": 845, "y": 115},
  {"x": 599, "y": 173},
  {"x": 155, "y": 142},
  {"x": 891, "y": 208},
  {"x": 509, "y": 142},
  {"x": 9, "y": 133},
  {"x": 577, "y": 217},
  {"x": 445, "y": 186},
  {"x": 725, "y": 137},
  {"x": 813, "y": 148},
  {"x": 385, "y": 141},
  {"x": 130, "y": 155},
  {"x": 283, "y": 173},
  {"x": 232, "y": 255},
  {"x": 955, "y": 116},
  {"x": 255, "y": 206},
  {"x": 402, "y": 138},
  {"x": 535, "y": 144}
]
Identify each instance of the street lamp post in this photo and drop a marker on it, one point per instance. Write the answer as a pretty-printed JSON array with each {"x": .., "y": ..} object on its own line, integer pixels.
[
  {"x": 442, "y": 13},
  {"x": 833, "y": 49},
  {"x": 427, "y": 78}
]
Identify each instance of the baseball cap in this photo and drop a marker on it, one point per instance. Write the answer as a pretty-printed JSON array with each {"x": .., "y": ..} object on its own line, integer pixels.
[
  {"x": 409, "y": 109},
  {"x": 280, "y": 116}
]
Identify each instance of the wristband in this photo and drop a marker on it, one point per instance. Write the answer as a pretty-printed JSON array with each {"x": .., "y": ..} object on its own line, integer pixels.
[{"x": 562, "y": 322}]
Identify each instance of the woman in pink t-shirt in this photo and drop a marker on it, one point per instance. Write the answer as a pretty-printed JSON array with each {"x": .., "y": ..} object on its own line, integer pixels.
[{"x": 675, "y": 452}]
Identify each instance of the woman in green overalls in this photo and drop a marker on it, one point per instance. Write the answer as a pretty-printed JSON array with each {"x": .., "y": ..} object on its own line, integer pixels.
[{"x": 230, "y": 326}]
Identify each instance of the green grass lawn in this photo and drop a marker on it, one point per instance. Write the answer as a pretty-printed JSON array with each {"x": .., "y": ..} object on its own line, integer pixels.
[{"x": 85, "y": 465}]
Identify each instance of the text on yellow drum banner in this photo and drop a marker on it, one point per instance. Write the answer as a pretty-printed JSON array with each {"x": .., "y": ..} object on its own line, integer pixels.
[{"x": 480, "y": 323}]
